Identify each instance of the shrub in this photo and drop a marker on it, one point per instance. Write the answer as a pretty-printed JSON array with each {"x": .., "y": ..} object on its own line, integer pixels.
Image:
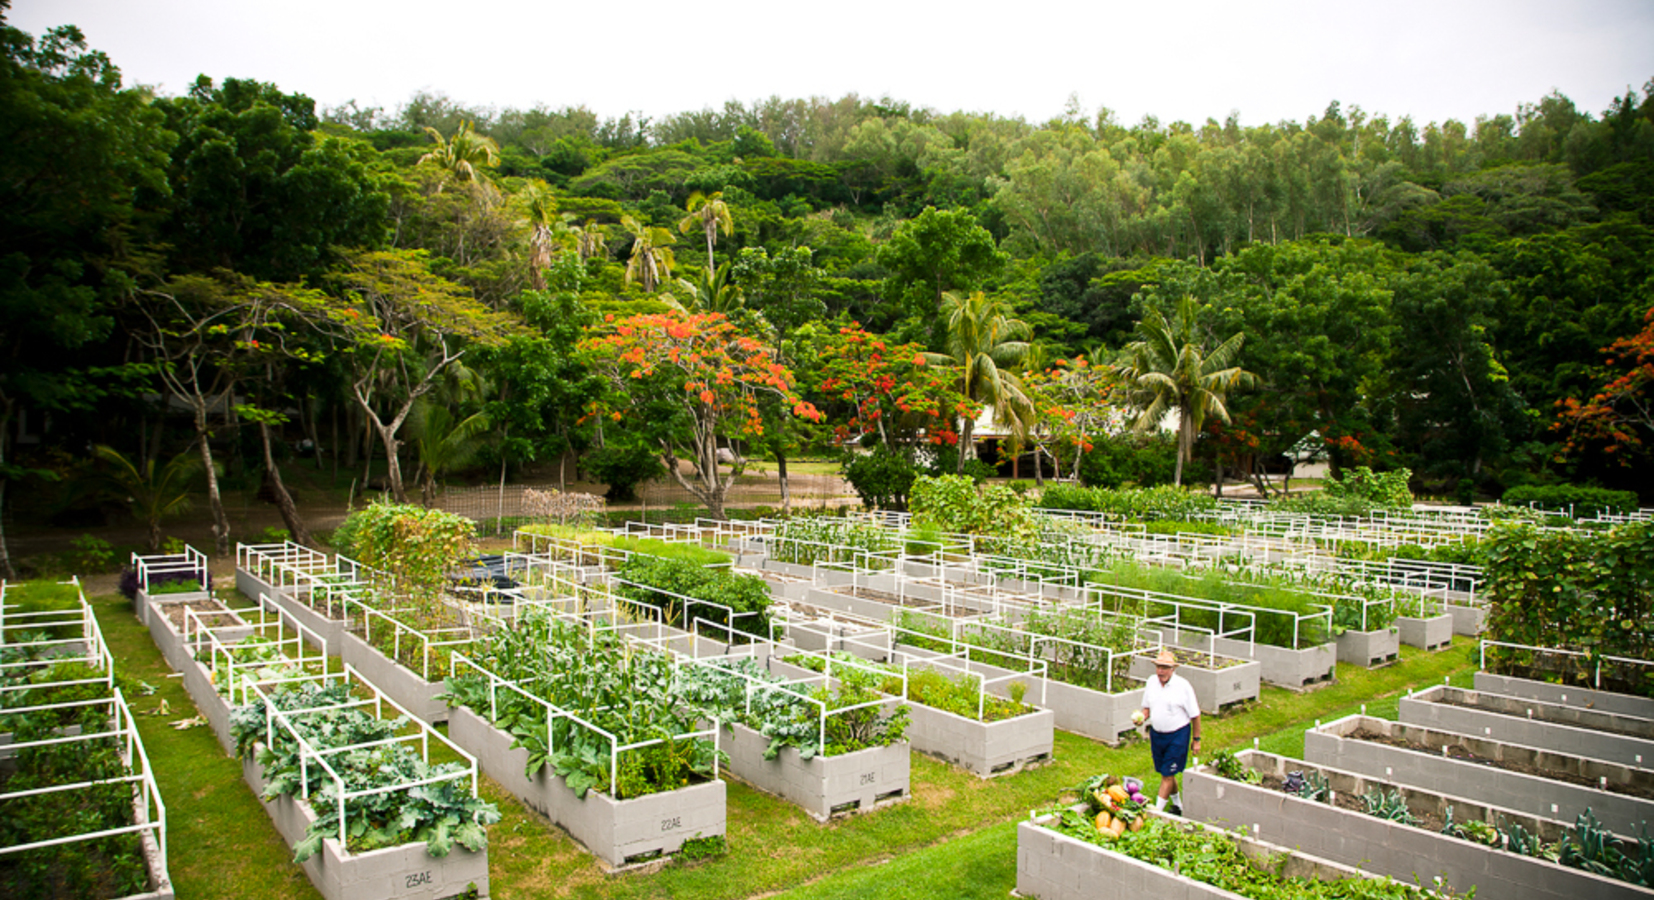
[
  {"x": 1139, "y": 460},
  {"x": 954, "y": 503},
  {"x": 1068, "y": 496},
  {"x": 90, "y": 554},
  {"x": 882, "y": 477},
  {"x": 1579, "y": 500},
  {"x": 623, "y": 466},
  {"x": 1387, "y": 489},
  {"x": 1166, "y": 502}
]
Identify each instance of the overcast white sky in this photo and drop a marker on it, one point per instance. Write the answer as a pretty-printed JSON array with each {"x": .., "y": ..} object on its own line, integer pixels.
[{"x": 1267, "y": 60}]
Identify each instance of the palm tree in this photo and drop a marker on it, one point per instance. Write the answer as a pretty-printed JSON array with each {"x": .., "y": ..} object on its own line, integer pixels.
[
  {"x": 443, "y": 443},
  {"x": 1169, "y": 368},
  {"x": 651, "y": 260},
  {"x": 153, "y": 495},
  {"x": 983, "y": 341},
  {"x": 461, "y": 155},
  {"x": 590, "y": 239},
  {"x": 708, "y": 213},
  {"x": 713, "y": 292},
  {"x": 540, "y": 209}
]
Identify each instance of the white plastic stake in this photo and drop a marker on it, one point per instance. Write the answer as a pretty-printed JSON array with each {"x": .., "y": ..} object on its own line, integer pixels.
[{"x": 1363, "y": 709}]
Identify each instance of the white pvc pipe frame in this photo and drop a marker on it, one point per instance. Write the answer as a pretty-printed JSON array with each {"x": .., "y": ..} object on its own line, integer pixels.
[
  {"x": 1596, "y": 678},
  {"x": 310, "y": 755}
]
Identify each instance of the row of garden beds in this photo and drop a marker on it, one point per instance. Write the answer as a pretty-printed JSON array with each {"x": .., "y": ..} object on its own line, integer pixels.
[
  {"x": 342, "y": 770},
  {"x": 80, "y": 812}
]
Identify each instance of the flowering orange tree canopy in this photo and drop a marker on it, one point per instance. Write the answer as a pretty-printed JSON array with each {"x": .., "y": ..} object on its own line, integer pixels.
[{"x": 708, "y": 369}]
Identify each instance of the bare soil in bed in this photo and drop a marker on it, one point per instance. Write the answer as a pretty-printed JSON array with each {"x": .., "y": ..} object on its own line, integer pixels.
[{"x": 1464, "y": 755}]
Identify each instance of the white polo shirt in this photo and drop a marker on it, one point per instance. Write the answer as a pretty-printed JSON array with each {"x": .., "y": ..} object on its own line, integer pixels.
[{"x": 1170, "y": 705}]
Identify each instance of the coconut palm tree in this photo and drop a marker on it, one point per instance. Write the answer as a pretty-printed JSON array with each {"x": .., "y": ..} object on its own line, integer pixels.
[
  {"x": 710, "y": 214},
  {"x": 983, "y": 342},
  {"x": 651, "y": 260},
  {"x": 540, "y": 209},
  {"x": 462, "y": 154},
  {"x": 1170, "y": 368},
  {"x": 153, "y": 495},
  {"x": 590, "y": 239}
]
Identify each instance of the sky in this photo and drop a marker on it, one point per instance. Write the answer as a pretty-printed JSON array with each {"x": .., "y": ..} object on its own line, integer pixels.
[{"x": 1266, "y": 61}]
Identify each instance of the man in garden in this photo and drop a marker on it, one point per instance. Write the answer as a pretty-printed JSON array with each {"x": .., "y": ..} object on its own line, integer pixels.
[{"x": 1173, "y": 714}]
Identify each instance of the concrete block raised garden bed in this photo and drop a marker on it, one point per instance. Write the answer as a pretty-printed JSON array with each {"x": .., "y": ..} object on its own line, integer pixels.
[
  {"x": 1218, "y": 682},
  {"x": 167, "y": 619},
  {"x": 823, "y": 786},
  {"x": 399, "y": 682},
  {"x": 1369, "y": 649},
  {"x": 408, "y": 872},
  {"x": 985, "y": 749},
  {"x": 326, "y": 629},
  {"x": 1429, "y": 633},
  {"x": 1336, "y": 827},
  {"x": 1526, "y": 779},
  {"x": 1469, "y": 619},
  {"x": 615, "y": 831},
  {"x": 1566, "y": 695},
  {"x": 1282, "y": 666},
  {"x": 1056, "y": 866},
  {"x": 1627, "y": 740}
]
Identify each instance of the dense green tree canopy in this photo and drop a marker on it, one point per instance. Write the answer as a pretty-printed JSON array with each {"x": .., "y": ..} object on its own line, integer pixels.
[{"x": 1422, "y": 294}]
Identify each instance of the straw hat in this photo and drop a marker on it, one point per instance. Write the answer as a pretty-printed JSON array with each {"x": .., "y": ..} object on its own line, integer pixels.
[{"x": 1166, "y": 659}]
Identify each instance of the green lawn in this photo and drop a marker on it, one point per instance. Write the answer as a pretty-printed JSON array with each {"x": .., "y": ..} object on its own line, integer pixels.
[{"x": 954, "y": 838}]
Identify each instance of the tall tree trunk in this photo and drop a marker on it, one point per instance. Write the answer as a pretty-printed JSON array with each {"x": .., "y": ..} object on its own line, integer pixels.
[
  {"x": 786, "y": 494},
  {"x": 333, "y": 445},
  {"x": 215, "y": 501},
  {"x": 967, "y": 444},
  {"x": 1184, "y": 445},
  {"x": 284, "y": 501},
  {"x": 6, "y": 570}
]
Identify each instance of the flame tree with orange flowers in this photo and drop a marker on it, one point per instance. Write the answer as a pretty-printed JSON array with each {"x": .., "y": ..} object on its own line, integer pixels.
[{"x": 710, "y": 374}]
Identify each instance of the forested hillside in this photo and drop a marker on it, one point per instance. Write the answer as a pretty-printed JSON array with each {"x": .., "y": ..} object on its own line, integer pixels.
[{"x": 203, "y": 283}]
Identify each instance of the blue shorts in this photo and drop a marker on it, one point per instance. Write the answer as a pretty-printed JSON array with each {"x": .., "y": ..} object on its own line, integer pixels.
[{"x": 1171, "y": 750}]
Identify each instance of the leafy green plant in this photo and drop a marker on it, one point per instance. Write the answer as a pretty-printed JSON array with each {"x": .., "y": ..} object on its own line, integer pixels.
[
  {"x": 1162, "y": 503},
  {"x": 104, "y": 867},
  {"x": 957, "y": 505},
  {"x": 1579, "y": 500},
  {"x": 663, "y": 583},
  {"x": 439, "y": 814},
  {"x": 415, "y": 547},
  {"x": 188, "y": 586},
  {"x": 1387, "y": 805},
  {"x": 1590, "y": 846},
  {"x": 597, "y": 676},
  {"x": 959, "y": 694},
  {"x": 1574, "y": 590},
  {"x": 90, "y": 554},
  {"x": 810, "y": 539},
  {"x": 1212, "y": 857},
  {"x": 1382, "y": 489},
  {"x": 1227, "y": 765},
  {"x": 785, "y": 715}
]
